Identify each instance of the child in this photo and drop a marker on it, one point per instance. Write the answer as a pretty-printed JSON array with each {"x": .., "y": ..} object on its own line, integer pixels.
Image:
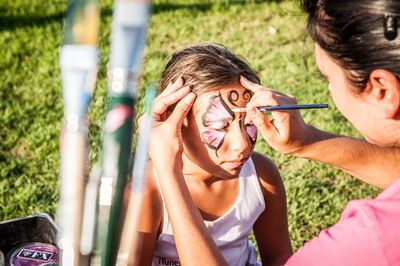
[{"x": 236, "y": 190}]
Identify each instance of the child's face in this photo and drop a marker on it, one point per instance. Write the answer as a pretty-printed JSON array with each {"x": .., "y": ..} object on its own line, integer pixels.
[{"x": 216, "y": 138}]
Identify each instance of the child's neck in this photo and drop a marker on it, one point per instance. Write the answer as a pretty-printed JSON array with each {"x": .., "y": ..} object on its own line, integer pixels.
[{"x": 194, "y": 171}]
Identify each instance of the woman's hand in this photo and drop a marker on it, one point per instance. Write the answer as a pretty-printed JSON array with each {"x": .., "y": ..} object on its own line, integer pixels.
[
  {"x": 166, "y": 145},
  {"x": 286, "y": 132}
]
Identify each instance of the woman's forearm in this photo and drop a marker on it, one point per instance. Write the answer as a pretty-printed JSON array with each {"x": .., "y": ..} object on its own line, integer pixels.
[{"x": 378, "y": 166}]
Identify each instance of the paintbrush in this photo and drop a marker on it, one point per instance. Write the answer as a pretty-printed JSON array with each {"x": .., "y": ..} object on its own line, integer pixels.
[
  {"x": 283, "y": 107},
  {"x": 129, "y": 31},
  {"x": 78, "y": 63},
  {"x": 130, "y": 245}
]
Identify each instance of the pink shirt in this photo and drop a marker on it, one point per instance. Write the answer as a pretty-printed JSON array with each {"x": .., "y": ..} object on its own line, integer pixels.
[{"x": 368, "y": 233}]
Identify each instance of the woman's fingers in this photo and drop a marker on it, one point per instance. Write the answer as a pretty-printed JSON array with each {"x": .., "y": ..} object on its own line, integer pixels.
[
  {"x": 263, "y": 98},
  {"x": 267, "y": 97},
  {"x": 250, "y": 85},
  {"x": 264, "y": 126},
  {"x": 285, "y": 132},
  {"x": 256, "y": 88}
]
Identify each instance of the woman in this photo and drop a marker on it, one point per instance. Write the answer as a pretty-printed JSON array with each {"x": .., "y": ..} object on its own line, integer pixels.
[{"x": 357, "y": 49}]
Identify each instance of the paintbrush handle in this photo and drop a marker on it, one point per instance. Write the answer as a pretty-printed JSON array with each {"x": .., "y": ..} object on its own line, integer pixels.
[{"x": 291, "y": 107}]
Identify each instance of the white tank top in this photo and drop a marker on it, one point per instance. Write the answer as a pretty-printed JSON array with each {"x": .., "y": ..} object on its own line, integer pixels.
[{"x": 230, "y": 231}]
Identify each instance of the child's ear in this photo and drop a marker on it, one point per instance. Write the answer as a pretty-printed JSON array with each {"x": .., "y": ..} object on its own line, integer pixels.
[{"x": 384, "y": 90}]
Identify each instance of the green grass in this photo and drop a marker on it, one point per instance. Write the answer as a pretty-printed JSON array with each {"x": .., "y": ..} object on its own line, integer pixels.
[{"x": 31, "y": 106}]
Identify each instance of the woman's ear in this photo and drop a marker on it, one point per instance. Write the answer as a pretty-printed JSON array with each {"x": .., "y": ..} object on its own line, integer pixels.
[{"x": 383, "y": 89}]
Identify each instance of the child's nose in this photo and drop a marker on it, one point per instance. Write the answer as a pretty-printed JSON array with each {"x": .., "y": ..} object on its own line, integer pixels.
[{"x": 239, "y": 139}]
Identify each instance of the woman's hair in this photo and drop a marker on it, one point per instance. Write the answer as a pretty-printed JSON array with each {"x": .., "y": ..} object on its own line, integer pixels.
[
  {"x": 359, "y": 35},
  {"x": 206, "y": 66}
]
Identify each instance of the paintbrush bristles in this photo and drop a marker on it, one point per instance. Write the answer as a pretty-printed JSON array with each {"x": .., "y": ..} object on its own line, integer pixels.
[{"x": 239, "y": 110}]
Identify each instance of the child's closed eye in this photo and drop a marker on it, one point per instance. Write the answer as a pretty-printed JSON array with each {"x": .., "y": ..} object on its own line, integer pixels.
[{"x": 219, "y": 125}]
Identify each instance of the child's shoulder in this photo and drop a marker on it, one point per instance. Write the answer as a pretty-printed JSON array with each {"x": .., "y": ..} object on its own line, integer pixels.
[
  {"x": 266, "y": 169},
  {"x": 152, "y": 193},
  {"x": 263, "y": 164}
]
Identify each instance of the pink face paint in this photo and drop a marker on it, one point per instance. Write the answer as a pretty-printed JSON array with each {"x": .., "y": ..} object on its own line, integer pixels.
[
  {"x": 213, "y": 138},
  {"x": 217, "y": 114},
  {"x": 252, "y": 132},
  {"x": 215, "y": 119}
]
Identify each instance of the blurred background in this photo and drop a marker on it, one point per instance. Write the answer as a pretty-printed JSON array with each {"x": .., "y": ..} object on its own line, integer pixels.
[{"x": 269, "y": 35}]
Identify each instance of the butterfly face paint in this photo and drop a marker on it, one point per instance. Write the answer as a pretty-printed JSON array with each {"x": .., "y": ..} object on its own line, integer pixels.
[
  {"x": 213, "y": 135},
  {"x": 233, "y": 96},
  {"x": 219, "y": 115},
  {"x": 215, "y": 119},
  {"x": 252, "y": 132}
]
